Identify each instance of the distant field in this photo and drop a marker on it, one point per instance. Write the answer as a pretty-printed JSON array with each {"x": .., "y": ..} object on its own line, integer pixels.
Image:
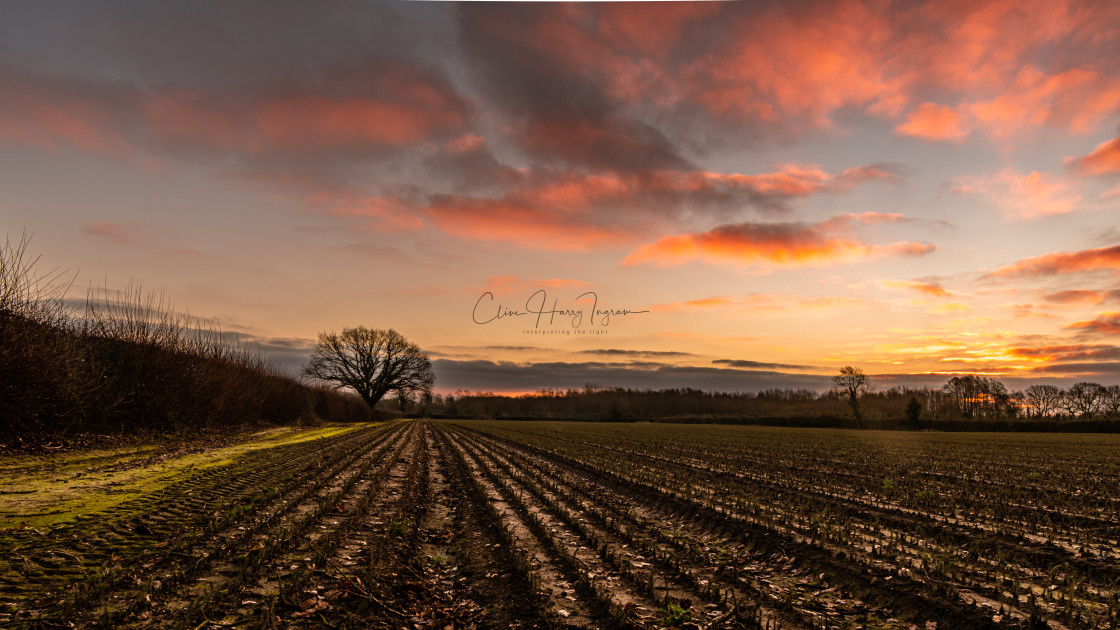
[{"x": 550, "y": 524}]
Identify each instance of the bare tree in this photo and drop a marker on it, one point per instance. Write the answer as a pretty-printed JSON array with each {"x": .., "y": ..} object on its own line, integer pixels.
[
  {"x": 978, "y": 397},
  {"x": 371, "y": 362},
  {"x": 852, "y": 382},
  {"x": 1111, "y": 404},
  {"x": 1085, "y": 398},
  {"x": 1043, "y": 400}
]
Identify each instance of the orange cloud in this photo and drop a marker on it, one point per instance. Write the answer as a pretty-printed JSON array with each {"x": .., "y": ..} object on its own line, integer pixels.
[
  {"x": 804, "y": 65},
  {"x": 1021, "y": 196},
  {"x": 582, "y": 212},
  {"x": 949, "y": 307},
  {"x": 1069, "y": 352},
  {"x": 1061, "y": 262},
  {"x": 579, "y": 191},
  {"x": 394, "y": 106},
  {"x": 767, "y": 245},
  {"x": 1104, "y": 159},
  {"x": 1078, "y": 296},
  {"x": 832, "y": 303},
  {"x": 935, "y": 122},
  {"x": 312, "y": 122},
  {"x": 497, "y": 220},
  {"x": 1105, "y": 323},
  {"x": 929, "y": 288},
  {"x": 719, "y": 301},
  {"x": 788, "y": 64},
  {"x": 1077, "y": 98},
  {"x": 38, "y": 113},
  {"x": 649, "y": 29}
]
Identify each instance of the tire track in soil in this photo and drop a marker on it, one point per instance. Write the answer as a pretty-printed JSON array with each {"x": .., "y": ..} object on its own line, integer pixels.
[
  {"x": 636, "y": 536},
  {"x": 552, "y": 582},
  {"x": 873, "y": 526},
  {"x": 884, "y": 525},
  {"x": 880, "y": 589},
  {"x": 295, "y": 547},
  {"x": 865, "y": 542},
  {"x": 482, "y": 561},
  {"x": 349, "y": 585},
  {"x": 119, "y": 550},
  {"x": 227, "y": 549},
  {"x": 639, "y": 571},
  {"x": 620, "y": 601}
]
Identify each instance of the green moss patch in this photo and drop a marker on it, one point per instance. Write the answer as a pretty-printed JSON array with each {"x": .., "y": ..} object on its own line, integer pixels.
[{"x": 43, "y": 491}]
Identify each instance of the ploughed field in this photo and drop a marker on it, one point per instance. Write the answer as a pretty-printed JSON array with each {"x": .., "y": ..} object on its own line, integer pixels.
[{"x": 545, "y": 524}]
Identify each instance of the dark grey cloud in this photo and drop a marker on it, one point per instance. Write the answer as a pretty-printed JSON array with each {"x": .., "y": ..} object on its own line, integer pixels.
[
  {"x": 759, "y": 365},
  {"x": 217, "y": 45},
  {"x": 1082, "y": 295},
  {"x": 1111, "y": 368},
  {"x": 563, "y": 113},
  {"x": 302, "y": 130},
  {"x": 509, "y": 376},
  {"x": 286, "y": 355},
  {"x": 637, "y": 353},
  {"x": 1059, "y": 377},
  {"x": 472, "y": 169}
]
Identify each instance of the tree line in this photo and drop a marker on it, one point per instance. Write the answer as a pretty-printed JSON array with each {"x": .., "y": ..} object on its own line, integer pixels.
[{"x": 854, "y": 395}]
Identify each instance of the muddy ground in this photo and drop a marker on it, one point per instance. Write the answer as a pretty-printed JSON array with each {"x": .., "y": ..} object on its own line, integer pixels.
[{"x": 419, "y": 524}]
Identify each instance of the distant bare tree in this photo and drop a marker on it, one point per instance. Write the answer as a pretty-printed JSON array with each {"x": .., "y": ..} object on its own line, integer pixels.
[
  {"x": 371, "y": 362},
  {"x": 1111, "y": 403},
  {"x": 1043, "y": 400},
  {"x": 977, "y": 397},
  {"x": 852, "y": 383},
  {"x": 1085, "y": 399}
]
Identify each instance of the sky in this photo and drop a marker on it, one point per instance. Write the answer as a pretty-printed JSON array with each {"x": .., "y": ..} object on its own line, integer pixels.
[{"x": 727, "y": 196}]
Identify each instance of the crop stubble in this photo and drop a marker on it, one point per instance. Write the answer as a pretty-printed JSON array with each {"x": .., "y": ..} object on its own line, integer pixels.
[{"x": 538, "y": 525}]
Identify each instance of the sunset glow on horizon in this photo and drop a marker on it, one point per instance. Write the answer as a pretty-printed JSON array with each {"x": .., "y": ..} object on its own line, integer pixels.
[{"x": 717, "y": 195}]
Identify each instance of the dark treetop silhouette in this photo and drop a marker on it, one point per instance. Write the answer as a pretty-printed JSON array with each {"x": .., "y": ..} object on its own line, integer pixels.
[
  {"x": 372, "y": 362},
  {"x": 852, "y": 382}
]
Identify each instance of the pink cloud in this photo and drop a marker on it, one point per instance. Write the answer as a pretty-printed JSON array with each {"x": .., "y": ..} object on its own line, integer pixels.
[
  {"x": 1103, "y": 160},
  {"x": 581, "y": 212},
  {"x": 935, "y": 122},
  {"x": 1021, "y": 196}
]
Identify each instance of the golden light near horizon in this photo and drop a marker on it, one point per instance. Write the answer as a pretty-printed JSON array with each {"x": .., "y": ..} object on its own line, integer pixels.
[{"x": 720, "y": 195}]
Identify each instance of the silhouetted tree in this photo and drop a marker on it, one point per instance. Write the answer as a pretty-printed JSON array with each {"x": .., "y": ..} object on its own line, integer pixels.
[
  {"x": 852, "y": 382},
  {"x": 1043, "y": 400},
  {"x": 976, "y": 396},
  {"x": 371, "y": 362},
  {"x": 1111, "y": 403},
  {"x": 913, "y": 410},
  {"x": 1085, "y": 399}
]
